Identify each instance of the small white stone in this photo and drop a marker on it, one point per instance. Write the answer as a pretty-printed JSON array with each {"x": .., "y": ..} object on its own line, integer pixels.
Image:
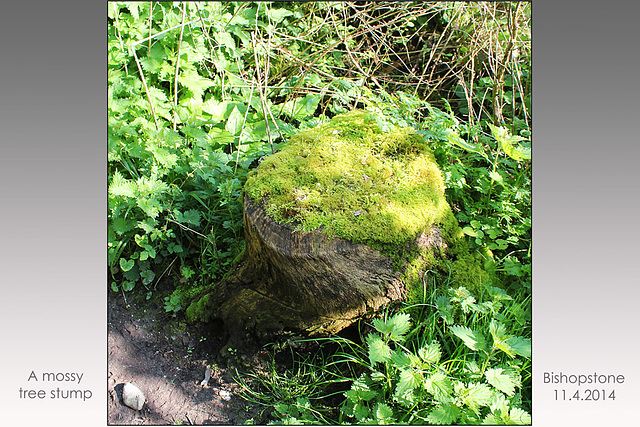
[
  {"x": 132, "y": 396},
  {"x": 225, "y": 395}
]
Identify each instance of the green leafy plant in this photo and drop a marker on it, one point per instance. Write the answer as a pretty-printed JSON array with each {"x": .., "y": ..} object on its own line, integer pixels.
[{"x": 467, "y": 360}]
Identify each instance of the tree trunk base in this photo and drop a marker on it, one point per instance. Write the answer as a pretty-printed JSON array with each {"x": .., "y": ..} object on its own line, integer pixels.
[{"x": 295, "y": 281}]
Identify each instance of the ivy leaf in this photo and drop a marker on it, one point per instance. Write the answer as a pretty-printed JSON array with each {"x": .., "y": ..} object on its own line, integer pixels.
[
  {"x": 472, "y": 339},
  {"x": 502, "y": 380},
  {"x": 126, "y": 265},
  {"x": 128, "y": 286},
  {"x": 147, "y": 276}
]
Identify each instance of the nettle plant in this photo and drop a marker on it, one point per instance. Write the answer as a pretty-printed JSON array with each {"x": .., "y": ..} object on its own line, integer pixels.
[
  {"x": 417, "y": 372},
  {"x": 184, "y": 128}
]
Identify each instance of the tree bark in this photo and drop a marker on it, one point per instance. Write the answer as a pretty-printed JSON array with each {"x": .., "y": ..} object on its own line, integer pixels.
[{"x": 306, "y": 282}]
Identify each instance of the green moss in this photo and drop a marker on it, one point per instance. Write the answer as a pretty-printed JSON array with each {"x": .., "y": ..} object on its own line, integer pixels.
[
  {"x": 467, "y": 270},
  {"x": 352, "y": 180},
  {"x": 200, "y": 310}
]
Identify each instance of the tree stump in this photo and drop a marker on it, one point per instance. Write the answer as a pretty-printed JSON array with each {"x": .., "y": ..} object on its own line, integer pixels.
[{"x": 327, "y": 245}]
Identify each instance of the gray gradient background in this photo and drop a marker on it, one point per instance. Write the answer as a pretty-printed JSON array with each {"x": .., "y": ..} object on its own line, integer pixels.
[{"x": 53, "y": 205}]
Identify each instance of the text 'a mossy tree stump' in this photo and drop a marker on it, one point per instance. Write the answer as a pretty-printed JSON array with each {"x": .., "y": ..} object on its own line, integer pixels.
[{"x": 338, "y": 223}]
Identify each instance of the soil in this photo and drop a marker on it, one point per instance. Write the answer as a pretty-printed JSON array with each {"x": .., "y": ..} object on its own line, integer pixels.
[{"x": 167, "y": 360}]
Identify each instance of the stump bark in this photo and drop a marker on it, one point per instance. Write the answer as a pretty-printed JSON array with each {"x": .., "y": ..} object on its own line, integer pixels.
[{"x": 308, "y": 282}]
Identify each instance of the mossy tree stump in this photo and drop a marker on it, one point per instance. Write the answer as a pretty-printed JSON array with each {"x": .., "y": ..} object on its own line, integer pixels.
[{"x": 342, "y": 221}]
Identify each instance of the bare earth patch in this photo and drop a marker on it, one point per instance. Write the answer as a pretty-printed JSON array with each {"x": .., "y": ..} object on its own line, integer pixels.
[{"x": 168, "y": 362}]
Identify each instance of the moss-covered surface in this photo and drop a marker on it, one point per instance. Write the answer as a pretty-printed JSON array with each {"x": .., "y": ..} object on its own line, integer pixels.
[
  {"x": 354, "y": 181},
  {"x": 350, "y": 179}
]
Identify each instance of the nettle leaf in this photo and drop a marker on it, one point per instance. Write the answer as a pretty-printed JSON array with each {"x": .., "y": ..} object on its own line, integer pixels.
[
  {"x": 225, "y": 39},
  {"x": 379, "y": 351},
  {"x": 445, "y": 309},
  {"x": 157, "y": 94},
  {"x": 498, "y": 331},
  {"x": 521, "y": 346},
  {"x": 444, "y": 414},
  {"x": 430, "y": 353},
  {"x": 121, "y": 186},
  {"x": 409, "y": 380},
  {"x": 472, "y": 339},
  {"x": 164, "y": 157},
  {"x": 455, "y": 139},
  {"x": 494, "y": 175},
  {"x": 519, "y": 416},
  {"x": 439, "y": 386},
  {"x": 383, "y": 413},
  {"x": 400, "y": 325},
  {"x": 151, "y": 186},
  {"x": 400, "y": 359},
  {"x": 150, "y": 206},
  {"x": 502, "y": 380},
  {"x": 498, "y": 294},
  {"x": 215, "y": 108},
  {"x": 122, "y": 225},
  {"x": 151, "y": 65},
  {"x": 477, "y": 395},
  {"x": 360, "y": 390},
  {"x": 361, "y": 411},
  {"x": 195, "y": 82},
  {"x": 394, "y": 328}
]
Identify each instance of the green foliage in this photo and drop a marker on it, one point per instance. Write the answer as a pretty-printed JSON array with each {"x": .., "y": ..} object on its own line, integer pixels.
[
  {"x": 466, "y": 362},
  {"x": 199, "y": 93}
]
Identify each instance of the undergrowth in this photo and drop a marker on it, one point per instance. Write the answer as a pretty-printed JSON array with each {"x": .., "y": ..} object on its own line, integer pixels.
[
  {"x": 456, "y": 358},
  {"x": 199, "y": 93}
]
